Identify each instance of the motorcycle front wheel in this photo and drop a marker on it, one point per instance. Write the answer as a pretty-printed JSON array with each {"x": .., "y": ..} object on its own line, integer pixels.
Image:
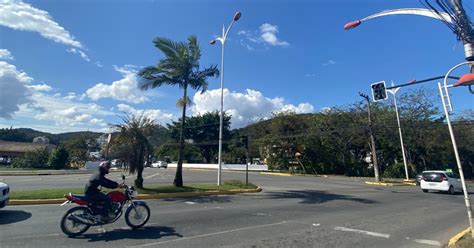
[
  {"x": 137, "y": 215},
  {"x": 70, "y": 226}
]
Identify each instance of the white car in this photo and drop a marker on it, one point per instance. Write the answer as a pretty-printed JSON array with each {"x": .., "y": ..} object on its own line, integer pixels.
[
  {"x": 159, "y": 164},
  {"x": 440, "y": 181},
  {"x": 4, "y": 195}
]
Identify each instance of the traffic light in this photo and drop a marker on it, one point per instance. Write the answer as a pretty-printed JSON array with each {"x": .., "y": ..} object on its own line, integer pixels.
[{"x": 379, "y": 92}]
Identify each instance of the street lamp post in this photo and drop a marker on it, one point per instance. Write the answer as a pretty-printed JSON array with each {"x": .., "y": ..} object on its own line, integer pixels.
[
  {"x": 444, "y": 95},
  {"x": 394, "y": 91},
  {"x": 222, "y": 39}
]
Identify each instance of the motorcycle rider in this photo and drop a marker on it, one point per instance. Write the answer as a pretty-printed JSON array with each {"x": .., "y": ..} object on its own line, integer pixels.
[{"x": 93, "y": 186}]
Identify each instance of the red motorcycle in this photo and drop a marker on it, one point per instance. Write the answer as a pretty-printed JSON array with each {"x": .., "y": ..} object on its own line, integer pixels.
[{"x": 79, "y": 219}]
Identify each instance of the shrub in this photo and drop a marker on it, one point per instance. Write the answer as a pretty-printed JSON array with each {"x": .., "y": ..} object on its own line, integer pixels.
[{"x": 32, "y": 159}]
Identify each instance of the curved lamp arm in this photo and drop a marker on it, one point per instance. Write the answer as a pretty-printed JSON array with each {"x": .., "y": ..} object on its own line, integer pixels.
[{"x": 406, "y": 11}]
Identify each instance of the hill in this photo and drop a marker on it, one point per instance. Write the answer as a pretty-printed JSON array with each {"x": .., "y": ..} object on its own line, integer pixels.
[{"x": 28, "y": 134}]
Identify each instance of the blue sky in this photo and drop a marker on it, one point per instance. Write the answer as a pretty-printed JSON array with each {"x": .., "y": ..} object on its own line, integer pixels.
[{"x": 70, "y": 65}]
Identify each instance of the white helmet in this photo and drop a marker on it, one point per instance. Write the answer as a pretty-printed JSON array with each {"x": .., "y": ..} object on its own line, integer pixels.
[{"x": 104, "y": 166}]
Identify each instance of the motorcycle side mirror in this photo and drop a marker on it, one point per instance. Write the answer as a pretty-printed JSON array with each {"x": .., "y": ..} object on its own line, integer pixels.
[{"x": 123, "y": 177}]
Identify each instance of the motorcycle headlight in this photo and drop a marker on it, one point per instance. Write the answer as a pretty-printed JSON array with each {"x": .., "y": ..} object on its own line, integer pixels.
[{"x": 132, "y": 192}]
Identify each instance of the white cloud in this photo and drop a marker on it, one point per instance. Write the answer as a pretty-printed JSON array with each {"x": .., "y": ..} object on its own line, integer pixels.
[
  {"x": 13, "y": 89},
  {"x": 124, "y": 89},
  {"x": 5, "y": 54},
  {"x": 266, "y": 34},
  {"x": 40, "y": 87},
  {"x": 81, "y": 53},
  {"x": 154, "y": 114},
  {"x": 329, "y": 62},
  {"x": 19, "y": 15},
  {"x": 245, "y": 107},
  {"x": 63, "y": 112},
  {"x": 27, "y": 105},
  {"x": 97, "y": 63}
]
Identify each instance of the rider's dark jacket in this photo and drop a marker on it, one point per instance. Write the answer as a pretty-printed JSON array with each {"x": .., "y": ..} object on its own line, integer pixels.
[{"x": 96, "y": 180}]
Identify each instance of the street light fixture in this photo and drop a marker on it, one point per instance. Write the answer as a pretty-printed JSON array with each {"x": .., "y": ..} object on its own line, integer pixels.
[
  {"x": 445, "y": 94},
  {"x": 222, "y": 39}
]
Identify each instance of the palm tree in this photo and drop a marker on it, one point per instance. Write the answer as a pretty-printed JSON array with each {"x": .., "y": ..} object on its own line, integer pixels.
[
  {"x": 133, "y": 134},
  {"x": 180, "y": 67}
]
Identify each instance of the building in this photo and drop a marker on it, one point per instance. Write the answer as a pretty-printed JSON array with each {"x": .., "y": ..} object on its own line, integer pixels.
[{"x": 10, "y": 150}]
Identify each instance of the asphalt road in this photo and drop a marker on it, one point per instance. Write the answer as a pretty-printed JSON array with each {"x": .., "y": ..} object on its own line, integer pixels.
[{"x": 290, "y": 212}]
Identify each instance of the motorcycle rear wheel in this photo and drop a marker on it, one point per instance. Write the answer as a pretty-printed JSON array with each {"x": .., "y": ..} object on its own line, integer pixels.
[
  {"x": 71, "y": 227},
  {"x": 137, "y": 216}
]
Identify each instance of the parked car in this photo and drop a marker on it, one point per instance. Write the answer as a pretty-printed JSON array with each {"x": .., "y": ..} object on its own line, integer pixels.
[
  {"x": 4, "y": 194},
  {"x": 440, "y": 181},
  {"x": 159, "y": 164}
]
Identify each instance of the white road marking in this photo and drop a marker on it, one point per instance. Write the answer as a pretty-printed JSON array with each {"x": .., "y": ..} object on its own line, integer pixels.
[
  {"x": 316, "y": 224},
  {"x": 36, "y": 236},
  {"x": 345, "y": 229},
  {"x": 190, "y": 202},
  {"x": 150, "y": 176},
  {"x": 210, "y": 234},
  {"x": 428, "y": 242}
]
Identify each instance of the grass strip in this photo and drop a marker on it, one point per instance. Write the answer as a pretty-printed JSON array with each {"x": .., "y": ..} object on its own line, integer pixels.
[
  {"x": 148, "y": 189},
  {"x": 466, "y": 241}
]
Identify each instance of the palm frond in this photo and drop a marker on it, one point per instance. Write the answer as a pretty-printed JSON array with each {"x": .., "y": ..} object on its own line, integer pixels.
[
  {"x": 154, "y": 81},
  {"x": 194, "y": 51},
  {"x": 169, "y": 47}
]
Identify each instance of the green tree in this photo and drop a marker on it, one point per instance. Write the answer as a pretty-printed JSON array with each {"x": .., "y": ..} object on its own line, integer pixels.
[
  {"x": 133, "y": 134},
  {"x": 32, "y": 159},
  {"x": 77, "y": 149},
  {"x": 203, "y": 130},
  {"x": 59, "y": 158},
  {"x": 180, "y": 67}
]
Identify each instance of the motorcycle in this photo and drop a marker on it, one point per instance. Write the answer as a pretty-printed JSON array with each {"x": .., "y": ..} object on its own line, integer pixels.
[{"x": 79, "y": 219}]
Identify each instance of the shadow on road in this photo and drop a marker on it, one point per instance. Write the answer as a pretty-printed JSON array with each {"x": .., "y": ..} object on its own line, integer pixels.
[
  {"x": 149, "y": 232},
  {"x": 202, "y": 199},
  {"x": 315, "y": 197},
  {"x": 12, "y": 216}
]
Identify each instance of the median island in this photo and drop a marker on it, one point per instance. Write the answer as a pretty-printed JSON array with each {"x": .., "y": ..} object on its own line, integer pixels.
[{"x": 148, "y": 192}]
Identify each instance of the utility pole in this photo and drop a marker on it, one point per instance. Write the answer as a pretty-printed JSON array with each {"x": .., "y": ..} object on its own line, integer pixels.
[
  {"x": 245, "y": 141},
  {"x": 372, "y": 140}
]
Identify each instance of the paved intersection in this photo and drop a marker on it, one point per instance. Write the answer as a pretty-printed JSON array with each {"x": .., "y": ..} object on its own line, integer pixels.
[{"x": 290, "y": 212}]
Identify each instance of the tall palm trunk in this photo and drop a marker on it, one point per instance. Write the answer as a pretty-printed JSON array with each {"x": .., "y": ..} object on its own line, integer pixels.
[
  {"x": 178, "y": 179},
  {"x": 139, "y": 180}
]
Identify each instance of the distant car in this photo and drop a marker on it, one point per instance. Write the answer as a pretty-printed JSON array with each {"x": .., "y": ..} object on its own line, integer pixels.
[
  {"x": 4, "y": 195},
  {"x": 440, "y": 181},
  {"x": 159, "y": 164}
]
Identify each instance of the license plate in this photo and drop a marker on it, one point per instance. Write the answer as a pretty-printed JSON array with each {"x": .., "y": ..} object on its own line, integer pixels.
[{"x": 432, "y": 184}]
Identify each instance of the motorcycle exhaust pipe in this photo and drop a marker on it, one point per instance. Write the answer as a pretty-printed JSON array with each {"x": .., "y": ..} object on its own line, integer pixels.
[{"x": 79, "y": 219}]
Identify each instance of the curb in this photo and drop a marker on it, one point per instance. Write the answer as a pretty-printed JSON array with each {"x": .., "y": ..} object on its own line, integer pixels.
[
  {"x": 391, "y": 184},
  {"x": 39, "y": 173},
  {"x": 279, "y": 174},
  {"x": 457, "y": 237},
  {"x": 142, "y": 196}
]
